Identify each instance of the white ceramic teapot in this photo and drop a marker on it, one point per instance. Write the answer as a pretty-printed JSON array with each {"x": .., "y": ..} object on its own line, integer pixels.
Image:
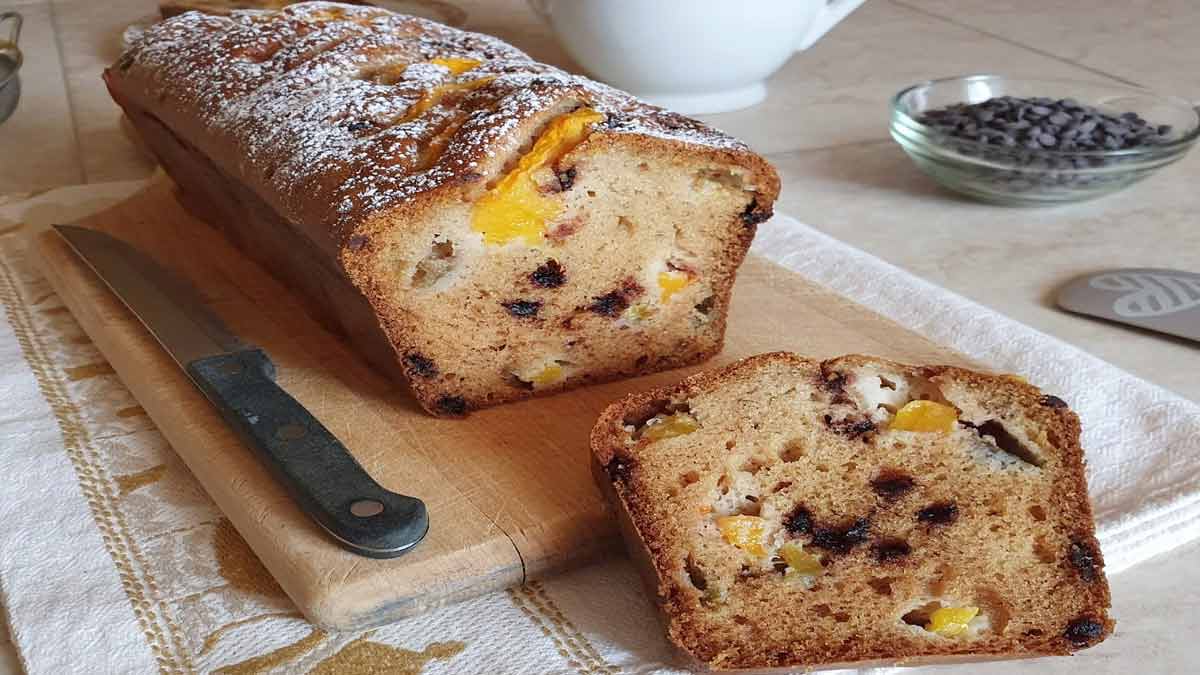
[{"x": 692, "y": 56}]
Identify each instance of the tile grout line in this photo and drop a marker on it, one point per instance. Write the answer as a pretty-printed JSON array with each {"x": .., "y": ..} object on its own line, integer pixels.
[
  {"x": 66, "y": 80},
  {"x": 1036, "y": 50}
]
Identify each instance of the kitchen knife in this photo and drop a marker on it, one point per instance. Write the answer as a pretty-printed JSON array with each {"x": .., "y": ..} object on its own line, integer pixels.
[
  {"x": 1166, "y": 301},
  {"x": 239, "y": 380}
]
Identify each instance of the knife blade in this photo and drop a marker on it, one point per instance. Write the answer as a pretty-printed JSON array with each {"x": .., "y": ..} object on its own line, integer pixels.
[
  {"x": 238, "y": 379},
  {"x": 1162, "y": 300}
]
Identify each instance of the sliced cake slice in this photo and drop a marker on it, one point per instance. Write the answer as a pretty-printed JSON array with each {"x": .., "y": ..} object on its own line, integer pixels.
[{"x": 793, "y": 512}]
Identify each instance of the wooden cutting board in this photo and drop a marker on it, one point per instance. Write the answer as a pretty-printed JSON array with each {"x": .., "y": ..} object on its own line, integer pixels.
[{"x": 508, "y": 489}]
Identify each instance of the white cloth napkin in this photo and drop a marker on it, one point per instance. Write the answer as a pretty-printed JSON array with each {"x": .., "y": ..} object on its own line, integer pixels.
[{"x": 112, "y": 559}]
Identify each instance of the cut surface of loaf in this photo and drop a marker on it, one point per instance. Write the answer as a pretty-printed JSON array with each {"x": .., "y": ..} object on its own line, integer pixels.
[
  {"x": 793, "y": 512},
  {"x": 514, "y": 229}
]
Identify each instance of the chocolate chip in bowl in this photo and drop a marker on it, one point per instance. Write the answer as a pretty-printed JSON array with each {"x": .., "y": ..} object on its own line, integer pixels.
[
  {"x": 1039, "y": 142},
  {"x": 1044, "y": 123}
]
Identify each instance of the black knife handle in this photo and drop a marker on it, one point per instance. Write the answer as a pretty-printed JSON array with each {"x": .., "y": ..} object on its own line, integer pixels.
[{"x": 312, "y": 464}]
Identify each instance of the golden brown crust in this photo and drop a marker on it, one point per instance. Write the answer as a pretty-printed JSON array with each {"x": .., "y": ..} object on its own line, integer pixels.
[
  {"x": 170, "y": 8},
  {"x": 241, "y": 88},
  {"x": 637, "y": 476}
]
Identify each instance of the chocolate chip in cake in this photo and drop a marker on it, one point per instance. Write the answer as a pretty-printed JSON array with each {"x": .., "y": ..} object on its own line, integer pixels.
[
  {"x": 836, "y": 539},
  {"x": 612, "y": 304},
  {"x": 841, "y": 539},
  {"x": 892, "y": 485},
  {"x": 1052, "y": 401},
  {"x": 1084, "y": 559},
  {"x": 357, "y": 126},
  {"x": 754, "y": 214},
  {"x": 1084, "y": 631},
  {"x": 523, "y": 309},
  {"x": 452, "y": 405},
  {"x": 549, "y": 274},
  {"x": 941, "y": 513},
  {"x": 609, "y": 304},
  {"x": 416, "y": 364},
  {"x": 835, "y": 384},
  {"x": 850, "y": 428},
  {"x": 799, "y": 521},
  {"x": 619, "y": 469},
  {"x": 357, "y": 242},
  {"x": 891, "y": 550},
  {"x": 566, "y": 179},
  {"x": 1009, "y": 443}
]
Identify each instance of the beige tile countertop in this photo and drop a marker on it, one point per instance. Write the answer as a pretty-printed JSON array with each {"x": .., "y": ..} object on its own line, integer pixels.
[{"x": 825, "y": 127}]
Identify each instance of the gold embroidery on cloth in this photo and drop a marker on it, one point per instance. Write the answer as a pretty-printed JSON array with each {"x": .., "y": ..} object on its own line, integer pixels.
[
  {"x": 573, "y": 658},
  {"x": 533, "y": 601},
  {"x": 265, "y": 662},
  {"x": 364, "y": 657},
  {"x": 89, "y": 370},
  {"x": 214, "y": 637},
  {"x": 131, "y": 411},
  {"x": 238, "y": 565},
  {"x": 361, "y": 656},
  {"x": 542, "y": 601},
  {"x": 132, "y": 481},
  {"x": 110, "y": 525}
]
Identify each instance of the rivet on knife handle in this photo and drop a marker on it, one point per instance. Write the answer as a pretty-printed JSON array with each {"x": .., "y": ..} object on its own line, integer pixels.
[{"x": 315, "y": 467}]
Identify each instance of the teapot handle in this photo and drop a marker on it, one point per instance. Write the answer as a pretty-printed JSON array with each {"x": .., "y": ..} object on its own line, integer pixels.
[
  {"x": 830, "y": 15},
  {"x": 14, "y": 32}
]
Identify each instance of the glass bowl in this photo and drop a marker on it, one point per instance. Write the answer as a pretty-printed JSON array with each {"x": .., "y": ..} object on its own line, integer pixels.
[{"x": 1023, "y": 177}]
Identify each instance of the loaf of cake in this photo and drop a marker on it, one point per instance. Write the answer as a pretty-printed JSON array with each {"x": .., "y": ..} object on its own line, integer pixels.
[
  {"x": 493, "y": 226},
  {"x": 800, "y": 513}
]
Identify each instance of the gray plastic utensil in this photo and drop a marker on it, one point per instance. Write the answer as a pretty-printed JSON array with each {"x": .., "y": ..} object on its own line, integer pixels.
[
  {"x": 1166, "y": 301},
  {"x": 239, "y": 380}
]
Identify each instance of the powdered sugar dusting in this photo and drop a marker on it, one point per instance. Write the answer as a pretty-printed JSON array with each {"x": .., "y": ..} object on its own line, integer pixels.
[{"x": 317, "y": 99}]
